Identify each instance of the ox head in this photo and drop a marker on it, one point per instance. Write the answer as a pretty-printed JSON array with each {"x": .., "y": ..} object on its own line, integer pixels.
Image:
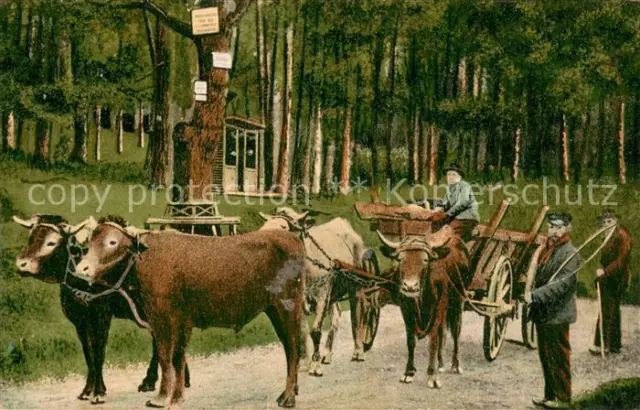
[
  {"x": 46, "y": 254},
  {"x": 286, "y": 219},
  {"x": 413, "y": 255},
  {"x": 111, "y": 243}
]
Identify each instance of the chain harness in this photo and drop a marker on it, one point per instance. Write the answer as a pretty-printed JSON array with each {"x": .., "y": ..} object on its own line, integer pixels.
[{"x": 75, "y": 251}]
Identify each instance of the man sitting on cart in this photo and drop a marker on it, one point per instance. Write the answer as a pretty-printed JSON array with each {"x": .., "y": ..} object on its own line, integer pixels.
[{"x": 459, "y": 208}]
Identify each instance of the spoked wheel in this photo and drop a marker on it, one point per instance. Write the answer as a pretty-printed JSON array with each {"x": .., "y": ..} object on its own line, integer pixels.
[
  {"x": 500, "y": 290},
  {"x": 367, "y": 303},
  {"x": 529, "y": 334}
]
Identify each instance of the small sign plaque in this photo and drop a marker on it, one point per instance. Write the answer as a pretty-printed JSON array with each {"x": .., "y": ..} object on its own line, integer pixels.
[
  {"x": 200, "y": 87},
  {"x": 205, "y": 21},
  {"x": 222, "y": 60},
  {"x": 201, "y": 97}
]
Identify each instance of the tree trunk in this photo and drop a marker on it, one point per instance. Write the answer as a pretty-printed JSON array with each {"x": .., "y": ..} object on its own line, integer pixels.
[
  {"x": 424, "y": 152},
  {"x": 345, "y": 162},
  {"x": 392, "y": 87},
  {"x": 30, "y": 34},
  {"x": 433, "y": 156},
  {"x": 11, "y": 132},
  {"x": 306, "y": 168},
  {"x": 299, "y": 147},
  {"x": 98, "y": 132},
  {"x": 416, "y": 146},
  {"x": 462, "y": 78},
  {"x": 285, "y": 137},
  {"x": 120, "y": 132},
  {"x": 272, "y": 137},
  {"x": 601, "y": 138},
  {"x": 329, "y": 165},
  {"x": 140, "y": 124},
  {"x": 41, "y": 152},
  {"x": 262, "y": 64},
  {"x": 79, "y": 152},
  {"x": 621, "y": 161},
  {"x": 516, "y": 155},
  {"x": 317, "y": 153},
  {"x": 565, "y": 149},
  {"x": 378, "y": 56}
]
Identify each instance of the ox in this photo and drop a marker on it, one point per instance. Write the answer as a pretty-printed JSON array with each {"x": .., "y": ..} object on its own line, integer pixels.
[
  {"x": 191, "y": 281},
  {"x": 427, "y": 270},
  {"x": 52, "y": 243},
  {"x": 337, "y": 240}
]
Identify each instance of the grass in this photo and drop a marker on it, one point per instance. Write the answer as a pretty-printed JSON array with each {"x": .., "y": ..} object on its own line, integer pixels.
[
  {"x": 617, "y": 394},
  {"x": 36, "y": 340}
]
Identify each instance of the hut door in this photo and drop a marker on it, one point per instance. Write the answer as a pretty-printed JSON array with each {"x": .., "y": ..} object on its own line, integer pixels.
[
  {"x": 250, "y": 183},
  {"x": 241, "y": 161}
]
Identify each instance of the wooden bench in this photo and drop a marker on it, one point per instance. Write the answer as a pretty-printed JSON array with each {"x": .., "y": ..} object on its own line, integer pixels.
[{"x": 186, "y": 216}]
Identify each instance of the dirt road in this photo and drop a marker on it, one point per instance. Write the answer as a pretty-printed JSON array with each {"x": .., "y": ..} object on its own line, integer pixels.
[{"x": 253, "y": 378}]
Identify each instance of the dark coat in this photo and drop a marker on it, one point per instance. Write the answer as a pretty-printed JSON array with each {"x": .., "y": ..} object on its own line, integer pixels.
[
  {"x": 554, "y": 302},
  {"x": 616, "y": 262}
]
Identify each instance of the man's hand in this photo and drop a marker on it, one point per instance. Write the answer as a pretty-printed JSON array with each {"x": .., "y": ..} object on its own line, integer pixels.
[
  {"x": 439, "y": 216},
  {"x": 528, "y": 298},
  {"x": 599, "y": 274}
]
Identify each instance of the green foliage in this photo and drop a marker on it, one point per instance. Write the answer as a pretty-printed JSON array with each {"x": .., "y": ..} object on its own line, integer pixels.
[{"x": 617, "y": 394}]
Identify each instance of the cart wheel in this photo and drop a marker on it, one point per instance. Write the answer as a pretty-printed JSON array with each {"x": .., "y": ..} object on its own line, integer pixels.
[
  {"x": 500, "y": 289},
  {"x": 369, "y": 311},
  {"x": 529, "y": 334}
]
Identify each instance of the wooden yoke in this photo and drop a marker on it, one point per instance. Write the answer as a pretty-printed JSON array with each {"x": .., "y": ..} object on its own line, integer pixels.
[{"x": 396, "y": 220}]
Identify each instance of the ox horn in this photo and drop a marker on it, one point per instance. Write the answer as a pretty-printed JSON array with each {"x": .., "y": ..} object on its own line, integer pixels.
[
  {"x": 264, "y": 216},
  {"x": 387, "y": 242},
  {"x": 74, "y": 229},
  {"x": 134, "y": 232},
  {"x": 27, "y": 224}
]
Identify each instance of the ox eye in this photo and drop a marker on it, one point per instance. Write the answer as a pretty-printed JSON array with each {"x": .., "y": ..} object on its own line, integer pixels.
[
  {"x": 51, "y": 244},
  {"x": 112, "y": 243}
]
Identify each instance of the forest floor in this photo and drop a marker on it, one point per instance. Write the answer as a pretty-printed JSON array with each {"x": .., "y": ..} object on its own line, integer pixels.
[{"x": 253, "y": 378}]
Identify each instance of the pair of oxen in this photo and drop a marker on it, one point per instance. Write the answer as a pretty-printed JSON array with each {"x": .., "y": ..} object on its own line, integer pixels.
[{"x": 171, "y": 282}]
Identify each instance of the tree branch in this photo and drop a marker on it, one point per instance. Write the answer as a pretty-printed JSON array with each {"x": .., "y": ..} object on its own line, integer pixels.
[
  {"x": 173, "y": 23},
  {"x": 234, "y": 18},
  {"x": 152, "y": 44}
]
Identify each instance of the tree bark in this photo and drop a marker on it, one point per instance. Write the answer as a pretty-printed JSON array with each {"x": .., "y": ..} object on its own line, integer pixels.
[
  {"x": 41, "y": 152},
  {"x": 601, "y": 138},
  {"x": 79, "y": 152},
  {"x": 140, "y": 124},
  {"x": 329, "y": 164},
  {"x": 378, "y": 56},
  {"x": 462, "y": 78},
  {"x": 285, "y": 136},
  {"x": 317, "y": 153},
  {"x": 565, "y": 149},
  {"x": 120, "y": 132},
  {"x": 262, "y": 64},
  {"x": 433, "y": 156},
  {"x": 416, "y": 146},
  {"x": 274, "y": 100},
  {"x": 424, "y": 152},
  {"x": 11, "y": 132},
  {"x": 98, "y": 151},
  {"x": 516, "y": 155},
  {"x": 345, "y": 161},
  {"x": 306, "y": 166},
  {"x": 299, "y": 146},
  {"x": 621, "y": 140},
  {"x": 392, "y": 87}
]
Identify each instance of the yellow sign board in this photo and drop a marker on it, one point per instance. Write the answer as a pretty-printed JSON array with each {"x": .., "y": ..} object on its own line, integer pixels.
[{"x": 205, "y": 21}]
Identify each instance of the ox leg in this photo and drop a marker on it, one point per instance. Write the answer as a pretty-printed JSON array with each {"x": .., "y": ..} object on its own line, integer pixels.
[
  {"x": 149, "y": 382},
  {"x": 432, "y": 374},
  {"x": 335, "y": 322},
  {"x": 286, "y": 324},
  {"x": 316, "y": 334},
  {"x": 454, "y": 319},
  {"x": 99, "y": 336},
  {"x": 356, "y": 331},
  {"x": 307, "y": 351},
  {"x": 87, "y": 350},
  {"x": 166, "y": 340},
  {"x": 180, "y": 363},
  {"x": 442, "y": 337},
  {"x": 408, "y": 314}
]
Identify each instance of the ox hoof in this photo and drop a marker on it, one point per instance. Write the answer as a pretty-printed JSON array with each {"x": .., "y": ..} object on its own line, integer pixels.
[
  {"x": 304, "y": 367},
  {"x": 357, "y": 357},
  {"x": 441, "y": 369},
  {"x": 407, "y": 379},
  {"x": 287, "y": 400},
  {"x": 157, "y": 403},
  {"x": 433, "y": 383},
  {"x": 456, "y": 369},
  {"x": 146, "y": 387},
  {"x": 98, "y": 399},
  {"x": 316, "y": 373},
  {"x": 326, "y": 359},
  {"x": 84, "y": 396}
]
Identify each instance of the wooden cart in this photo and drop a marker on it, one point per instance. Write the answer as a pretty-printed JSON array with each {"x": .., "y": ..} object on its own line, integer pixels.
[
  {"x": 195, "y": 217},
  {"x": 500, "y": 259}
]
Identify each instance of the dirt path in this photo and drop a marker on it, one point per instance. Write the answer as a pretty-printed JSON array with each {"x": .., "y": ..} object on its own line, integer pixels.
[{"x": 253, "y": 378}]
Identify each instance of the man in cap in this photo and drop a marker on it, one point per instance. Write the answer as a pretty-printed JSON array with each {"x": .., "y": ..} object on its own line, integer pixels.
[
  {"x": 613, "y": 277},
  {"x": 553, "y": 308},
  {"x": 459, "y": 207}
]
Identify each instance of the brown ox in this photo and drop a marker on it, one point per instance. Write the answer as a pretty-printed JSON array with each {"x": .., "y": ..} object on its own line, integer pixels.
[
  {"x": 191, "y": 281},
  {"x": 427, "y": 270},
  {"x": 46, "y": 257}
]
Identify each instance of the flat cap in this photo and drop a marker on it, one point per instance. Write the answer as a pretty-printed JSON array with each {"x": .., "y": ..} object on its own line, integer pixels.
[{"x": 559, "y": 218}]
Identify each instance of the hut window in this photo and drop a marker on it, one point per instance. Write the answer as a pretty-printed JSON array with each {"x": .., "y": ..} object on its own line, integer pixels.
[
  {"x": 251, "y": 151},
  {"x": 231, "y": 155}
]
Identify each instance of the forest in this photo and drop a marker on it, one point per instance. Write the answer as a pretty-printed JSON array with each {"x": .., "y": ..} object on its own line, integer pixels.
[{"x": 373, "y": 89}]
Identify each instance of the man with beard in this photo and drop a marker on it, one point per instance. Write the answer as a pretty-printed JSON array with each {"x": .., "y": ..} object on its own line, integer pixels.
[
  {"x": 553, "y": 309},
  {"x": 613, "y": 277},
  {"x": 459, "y": 207}
]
